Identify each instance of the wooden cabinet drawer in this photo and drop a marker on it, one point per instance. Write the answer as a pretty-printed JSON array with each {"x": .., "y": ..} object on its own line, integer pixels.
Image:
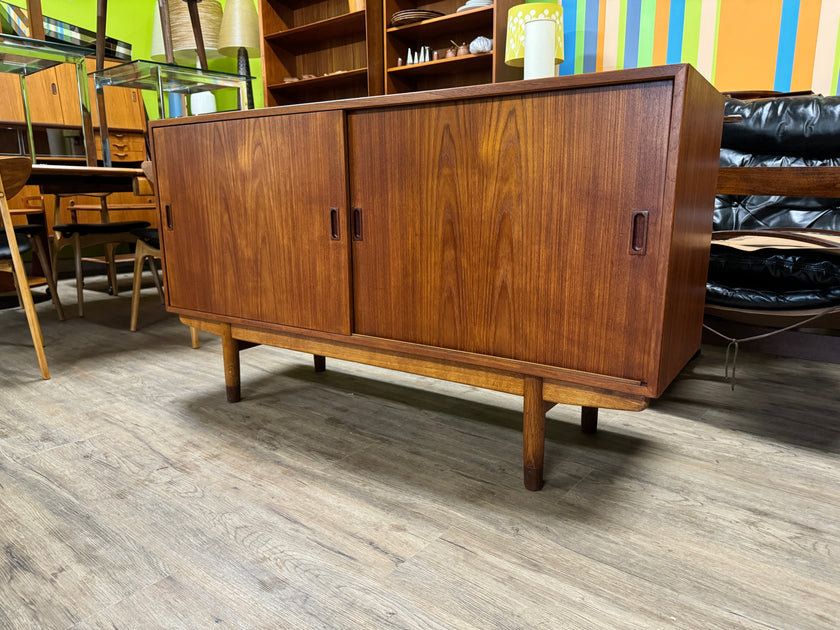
[{"x": 126, "y": 146}]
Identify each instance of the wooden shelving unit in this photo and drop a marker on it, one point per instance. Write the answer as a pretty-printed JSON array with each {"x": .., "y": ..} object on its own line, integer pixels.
[
  {"x": 339, "y": 49},
  {"x": 333, "y": 48},
  {"x": 439, "y": 33}
]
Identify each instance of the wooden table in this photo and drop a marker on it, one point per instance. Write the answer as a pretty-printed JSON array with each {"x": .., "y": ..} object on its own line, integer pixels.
[{"x": 72, "y": 179}]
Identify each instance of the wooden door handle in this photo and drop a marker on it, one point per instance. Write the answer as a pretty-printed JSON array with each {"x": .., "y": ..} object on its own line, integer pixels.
[
  {"x": 639, "y": 232},
  {"x": 335, "y": 227},
  {"x": 358, "y": 234}
]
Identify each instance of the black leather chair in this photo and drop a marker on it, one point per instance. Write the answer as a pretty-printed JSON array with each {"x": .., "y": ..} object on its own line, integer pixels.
[{"x": 775, "y": 258}]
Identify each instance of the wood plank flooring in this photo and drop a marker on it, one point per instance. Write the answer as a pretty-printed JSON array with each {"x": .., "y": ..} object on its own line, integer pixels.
[{"x": 132, "y": 496}]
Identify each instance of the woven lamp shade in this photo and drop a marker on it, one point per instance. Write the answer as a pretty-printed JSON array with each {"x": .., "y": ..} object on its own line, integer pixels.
[
  {"x": 240, "y": 29},
  {"x": 183, "y": 42}
]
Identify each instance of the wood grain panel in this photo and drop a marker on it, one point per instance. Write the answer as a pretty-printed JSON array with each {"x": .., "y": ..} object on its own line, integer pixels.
[
  {"x": 250, "y": 212},
  {"x": 11, "y": 104},
  {"x": 44, "y": 97},
  {"x": 694, "y": 136},
  {"x": 483, "y": 235}
]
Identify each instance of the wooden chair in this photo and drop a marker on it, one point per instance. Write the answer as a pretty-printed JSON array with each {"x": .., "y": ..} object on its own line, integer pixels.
[
  {"x": 14, "y": 171},
  {"x": 83, "y": 235}
]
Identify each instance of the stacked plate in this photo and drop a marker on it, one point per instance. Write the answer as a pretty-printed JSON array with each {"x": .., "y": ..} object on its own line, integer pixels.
[
  {"x": 401, "y": 18},
  {"x": 474, "y": 4}
]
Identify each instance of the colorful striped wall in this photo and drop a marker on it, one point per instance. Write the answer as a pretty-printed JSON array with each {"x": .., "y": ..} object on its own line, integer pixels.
[{"x": 779, "y": 45}]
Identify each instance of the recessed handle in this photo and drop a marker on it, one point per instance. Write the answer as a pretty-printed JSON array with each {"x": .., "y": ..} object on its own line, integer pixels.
[
  {"x": 335, "y": 234},
  {"x": 54, "y": 89},
  {"x": 358, "y": 234},
  {"x": 639, "y": 232},
  {"x": 167, "y": 215}
]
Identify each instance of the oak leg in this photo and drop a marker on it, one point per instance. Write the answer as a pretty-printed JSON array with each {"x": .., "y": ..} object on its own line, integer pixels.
[
  {"x": 320, "y": 362},
  {"x": 533, "y": 433},
  {"x": 589, "y": 419},
  {"x": 230, "y": 355}
]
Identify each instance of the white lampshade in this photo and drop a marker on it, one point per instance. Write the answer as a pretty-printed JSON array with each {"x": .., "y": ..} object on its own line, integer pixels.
[
  {"x": 183, "y": 41},
  {"x": 240, "y": 29},
  {"x": 535, "y": 38}
]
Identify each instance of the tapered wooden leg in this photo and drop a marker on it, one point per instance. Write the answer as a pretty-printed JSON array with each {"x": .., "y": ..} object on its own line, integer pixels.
[
  {"x": 320, "y": 362},
  {"x": 22, "y": 284},
  {"x": 38, "y": 247},
  {"x": 194, "y": 337},
  {"x": 533, "y": 433},
  {"x": 80, "y": 281},
  {"x": 111, "y": 260},
  {"x": 135, "y": 289},
  {"x": 589, "y": 419},
  {"x": 230, "y": 355}
]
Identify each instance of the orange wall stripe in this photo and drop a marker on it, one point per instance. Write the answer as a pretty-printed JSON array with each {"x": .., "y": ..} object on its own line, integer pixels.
[
  {"x": 660, "y": 32},
  {"x": 746, "y": 57},
  {"x": 602, "y": 16},
  {"x": 806, "y": 44}
]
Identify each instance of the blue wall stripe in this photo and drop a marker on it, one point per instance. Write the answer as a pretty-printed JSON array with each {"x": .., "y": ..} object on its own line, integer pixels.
[
  {"x": 787, "y": 45},
  {"x": 590, "y": 47},
  {"x": 676, "y": 22},
  {"x": 570, "y": 35},
  {"x": 631, "y": 33}
]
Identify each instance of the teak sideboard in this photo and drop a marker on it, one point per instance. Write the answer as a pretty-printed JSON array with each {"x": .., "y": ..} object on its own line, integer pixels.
[{"x": 547, "y": 238}]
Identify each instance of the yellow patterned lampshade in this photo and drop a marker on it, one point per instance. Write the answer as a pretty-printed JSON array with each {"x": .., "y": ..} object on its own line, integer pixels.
[{"x": 535, "y": 38}]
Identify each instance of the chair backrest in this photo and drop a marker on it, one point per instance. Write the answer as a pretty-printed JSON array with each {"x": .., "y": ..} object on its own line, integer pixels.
[
  {"x": 786, "y": 131},
  {"x": 14, "y": 173}
]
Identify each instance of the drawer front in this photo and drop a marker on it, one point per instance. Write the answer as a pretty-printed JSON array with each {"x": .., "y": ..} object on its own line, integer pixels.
[{"x": 125, "y": 146}]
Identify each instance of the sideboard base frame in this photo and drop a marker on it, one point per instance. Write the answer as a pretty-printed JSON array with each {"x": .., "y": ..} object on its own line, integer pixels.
[{"x": 539, "y": 394}]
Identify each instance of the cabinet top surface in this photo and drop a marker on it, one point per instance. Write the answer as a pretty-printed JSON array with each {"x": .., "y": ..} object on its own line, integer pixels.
[{"x": 676, "y": 73}]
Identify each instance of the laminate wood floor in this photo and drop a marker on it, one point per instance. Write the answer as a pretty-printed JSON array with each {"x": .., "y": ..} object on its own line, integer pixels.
[{"x": 133, "y": 496}]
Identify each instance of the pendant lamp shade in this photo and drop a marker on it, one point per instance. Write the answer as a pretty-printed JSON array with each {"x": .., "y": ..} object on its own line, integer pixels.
[
  {"x": 239, "y": 29},
  {"x": 535, "y": 38},
  {"x": 183, "y": 41}
]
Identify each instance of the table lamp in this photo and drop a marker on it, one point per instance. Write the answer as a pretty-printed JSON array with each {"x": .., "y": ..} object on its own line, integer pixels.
[
  {"x": 535, "y": 38},
  {"x": 239, "y": 36},
  {"x": 180, "y": 27}
]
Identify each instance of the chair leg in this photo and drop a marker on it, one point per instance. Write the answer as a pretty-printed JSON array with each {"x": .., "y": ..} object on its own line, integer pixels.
[
  {"x": 80, "y": 281},
  {"x": 110, "y": 258},
  {"x": 139, "y": 257},
  {"x": 156, "y": 279},
  {"x": 48, "y": 273}
]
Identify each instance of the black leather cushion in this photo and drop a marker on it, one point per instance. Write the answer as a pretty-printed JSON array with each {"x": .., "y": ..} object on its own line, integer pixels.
[
  {"x": 754, "y": 212},
  {"x": 27, "y": 230},
  {"x": 150, "y": 236},
  {"x": 775, "y": 267},
  {"x": 83, "y": 229},
  {"x": 769, "y": 299},
  {"x": 773, "y": 278},
  {"x": 6, "y": 251},
  {"x": 804, "y": 126}
]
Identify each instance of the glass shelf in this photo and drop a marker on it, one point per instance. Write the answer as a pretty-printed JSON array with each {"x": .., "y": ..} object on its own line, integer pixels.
[
  {"x": 164, "y": 79},
  {"x": 167, "y": 78},
  {"x": 24, "y": 56}
]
